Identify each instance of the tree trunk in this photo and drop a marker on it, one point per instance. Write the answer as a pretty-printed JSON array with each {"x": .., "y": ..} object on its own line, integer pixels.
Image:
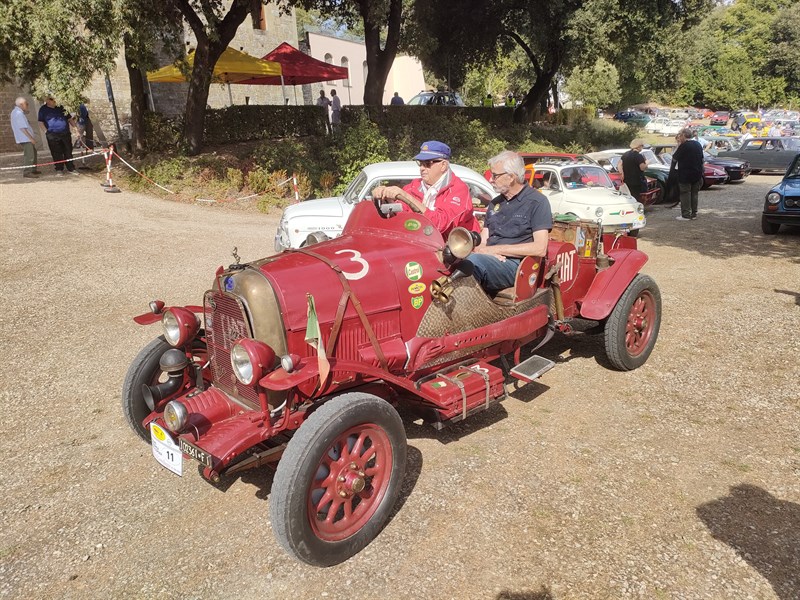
[
  {"x": 379, "y": 62},
  {"x": 138, "y": 104},
  {"x": 554, "y": 91},
  {"x": 206, "y": 56},
  {"x": 197, "y": 97},
  {"x": 529, "y": 108}
]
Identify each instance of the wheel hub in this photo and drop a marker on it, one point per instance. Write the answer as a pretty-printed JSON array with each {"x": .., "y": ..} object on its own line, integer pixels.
[{"x": 351, "y": 480}]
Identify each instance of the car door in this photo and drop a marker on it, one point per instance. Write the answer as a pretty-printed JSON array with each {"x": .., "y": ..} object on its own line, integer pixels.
[{"x": 775, "y": 154}]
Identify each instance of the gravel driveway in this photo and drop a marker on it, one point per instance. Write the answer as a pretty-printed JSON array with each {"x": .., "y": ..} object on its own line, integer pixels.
[{"x": 678, "y": 480}]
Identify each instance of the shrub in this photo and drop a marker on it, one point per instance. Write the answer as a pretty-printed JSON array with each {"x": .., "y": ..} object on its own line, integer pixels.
[
  {"x": 258, "y": 180},
  {"x": 249, "y": 122},
  {"x": 235, "y": 178},
  {"x": 361, "y": 144},
  {"x": 161, "y": 133},
  {"x": 327, "y": 181}
]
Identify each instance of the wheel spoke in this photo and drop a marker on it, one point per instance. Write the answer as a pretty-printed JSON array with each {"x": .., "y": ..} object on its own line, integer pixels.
[{"x": 326, "y": 499}]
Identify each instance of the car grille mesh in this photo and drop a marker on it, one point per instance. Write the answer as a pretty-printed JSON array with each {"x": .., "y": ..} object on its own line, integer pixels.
[{"x": 226, "y": 322}]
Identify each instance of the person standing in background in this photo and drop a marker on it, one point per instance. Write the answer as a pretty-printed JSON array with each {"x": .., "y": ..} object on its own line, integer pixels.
[
  {"x": 85, "y": 127},
  {"x": 633, "y": 167},
  {"x": 55, "y": 123},
  {"x": 688, "y": 161},
  {"x": 326, "y": 104},
  {"x": 397, "y": 100},
  {"x": 23, "y": 136},
  {"x": 336, "y": 111}
]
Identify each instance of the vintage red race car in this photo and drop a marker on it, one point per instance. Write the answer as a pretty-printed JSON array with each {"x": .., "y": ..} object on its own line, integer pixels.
[{"x": 300, "y": 359}]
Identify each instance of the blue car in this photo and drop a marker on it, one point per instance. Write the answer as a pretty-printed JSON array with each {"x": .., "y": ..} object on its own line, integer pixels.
[{"x": 782, "y": 204}]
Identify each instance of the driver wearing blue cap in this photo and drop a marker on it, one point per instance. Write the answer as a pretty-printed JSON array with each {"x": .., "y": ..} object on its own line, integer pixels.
[{"x": 438, "y": 193}]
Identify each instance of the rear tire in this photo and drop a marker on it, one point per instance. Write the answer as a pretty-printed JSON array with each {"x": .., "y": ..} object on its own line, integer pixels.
[
  {"x": 632, "y": 328},
  {"x": 634, "y": 233},
  {"x": 769, "y": 228},
  {"x": 339, "y": 479}
]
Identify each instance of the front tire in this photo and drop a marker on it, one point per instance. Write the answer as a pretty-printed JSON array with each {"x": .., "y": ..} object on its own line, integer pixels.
[
  {"x": 769, "y": 228},
  {"x": 143, "y": 370},
  {"x": 632, "y": 328},
  {"x": 338, "y": 480}
]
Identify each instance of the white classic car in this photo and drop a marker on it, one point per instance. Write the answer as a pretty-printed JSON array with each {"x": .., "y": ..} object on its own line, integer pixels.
[
  {"x": 586, "y": 191},
  {"x": 657, "y": 125},
  {"x": 328, "y": 215}
]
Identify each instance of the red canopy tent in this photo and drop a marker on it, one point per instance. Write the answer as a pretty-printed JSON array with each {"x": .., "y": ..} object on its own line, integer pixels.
[{"x": 298, "y": 68}]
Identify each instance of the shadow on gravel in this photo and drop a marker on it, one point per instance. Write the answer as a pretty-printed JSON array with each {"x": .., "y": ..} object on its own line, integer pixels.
[
  {"x": 413, "y": 470},
  {"x": 542, "y": 594},
  {"x": 763, "y": 530},
  {"x": 452, "y": 432},
  {"x": 788, "y": 293},
  {"x": 721, "y": 232}
]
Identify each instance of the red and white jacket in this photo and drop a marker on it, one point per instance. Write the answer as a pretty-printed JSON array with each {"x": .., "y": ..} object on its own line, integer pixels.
[{"x": 452, "y": 207}]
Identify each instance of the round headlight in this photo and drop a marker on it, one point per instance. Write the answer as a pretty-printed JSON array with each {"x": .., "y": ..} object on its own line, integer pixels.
[
  {"x": 773, "y": 197},
  {"x": 251, "y": 360},
  {"x": 180, "y": 326},
  {"x": 640, "y": 208},
  {"x": 242, "y": 367},
  {"x": 172, "y": 329},
  {"x": 598, "y": 212},
  {"x": 175, "y": 416}
]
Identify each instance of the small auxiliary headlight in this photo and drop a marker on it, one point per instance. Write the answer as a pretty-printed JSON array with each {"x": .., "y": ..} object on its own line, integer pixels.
[
  {"x": 175, "y": 416},
  {"x": 598, "y": 212},
  {"x": 640, "y": 208},
  {"x": 773, "y": 197},
  {"x": 289, "y": 362},
  {"x": 251, "y": 360}
]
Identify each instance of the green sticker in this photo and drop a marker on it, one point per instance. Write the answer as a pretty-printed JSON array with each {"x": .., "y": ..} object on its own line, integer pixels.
[
  {"x": 413, "y": 271},
  {"x": 417, "y": 301},
  {"x": 438, "y": 384},
  {"x": 413, "y": 224}
]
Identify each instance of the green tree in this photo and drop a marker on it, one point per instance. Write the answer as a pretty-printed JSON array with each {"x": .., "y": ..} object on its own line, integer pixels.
[
  {"x": 57, "y": 46},
  {"x": 784, "y": 56},
  {"x": 382, "y": 21},
  {"x": 554, "y": 35},
  {"x": 597, "y": 85}
]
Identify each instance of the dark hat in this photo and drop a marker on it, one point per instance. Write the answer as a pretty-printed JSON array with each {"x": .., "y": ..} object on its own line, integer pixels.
[{"x": 432, "y": 150}]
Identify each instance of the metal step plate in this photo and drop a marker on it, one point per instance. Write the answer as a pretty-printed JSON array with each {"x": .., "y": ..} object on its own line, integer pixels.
[{"x": 532, "y": 368}]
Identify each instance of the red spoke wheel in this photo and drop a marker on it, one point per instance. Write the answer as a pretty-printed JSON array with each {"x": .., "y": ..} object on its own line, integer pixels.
[
  {"x": 338, "y": 480},
  {"x": 632, "y": 328}
]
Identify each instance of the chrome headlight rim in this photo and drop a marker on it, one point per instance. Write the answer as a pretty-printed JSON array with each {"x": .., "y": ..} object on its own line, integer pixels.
[
  {"x": 640, "y": 208},
  {"x": 773, "y": 198},
  {"x": 241, "y": 364},
  {"x": 598, "y": 212},
  {"x": 172, "y": 328},
  {"x": 251, "y": 360},
  {"x": 175, "y": 416}
]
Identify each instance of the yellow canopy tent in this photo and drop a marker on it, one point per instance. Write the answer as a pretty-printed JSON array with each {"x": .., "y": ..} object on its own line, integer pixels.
[{"x": 233, "y": 66}]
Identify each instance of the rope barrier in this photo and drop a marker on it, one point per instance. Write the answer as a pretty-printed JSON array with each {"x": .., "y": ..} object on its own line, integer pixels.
[
  {"x": 55, "y": 162},
  {"x": 145, "y": 177}
]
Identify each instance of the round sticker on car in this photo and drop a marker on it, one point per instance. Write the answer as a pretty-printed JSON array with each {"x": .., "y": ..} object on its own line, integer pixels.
[
  {"x": 412, "y": 224},
  {"x": 416, "y": 288},
  {"x": 413, "y": 271}
]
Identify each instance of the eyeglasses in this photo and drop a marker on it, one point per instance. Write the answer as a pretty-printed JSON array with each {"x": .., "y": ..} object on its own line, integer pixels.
[
  {"x": 497, "y": 175},
  {"x": 428, "y": 163}
]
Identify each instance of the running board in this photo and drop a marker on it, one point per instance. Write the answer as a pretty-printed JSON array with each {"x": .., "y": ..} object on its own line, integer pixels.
[{"x": 532, "y": 368}]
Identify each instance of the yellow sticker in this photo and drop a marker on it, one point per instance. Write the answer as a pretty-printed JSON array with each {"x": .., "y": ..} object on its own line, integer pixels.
[
  {"x": 158, "y": 432},
  {"x": 416, "y": 288}
]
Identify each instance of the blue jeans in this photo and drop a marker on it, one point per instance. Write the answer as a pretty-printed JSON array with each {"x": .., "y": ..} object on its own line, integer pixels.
[{"x": 492, "y": 273}]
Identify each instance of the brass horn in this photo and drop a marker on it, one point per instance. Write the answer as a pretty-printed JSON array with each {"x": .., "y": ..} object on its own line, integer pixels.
[
  {"x": 442, "y": 287},
  {"x": 460, "y": 242}
]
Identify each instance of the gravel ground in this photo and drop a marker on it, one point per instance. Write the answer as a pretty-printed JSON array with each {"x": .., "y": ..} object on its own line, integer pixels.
[{"x": 678, "y": 480}]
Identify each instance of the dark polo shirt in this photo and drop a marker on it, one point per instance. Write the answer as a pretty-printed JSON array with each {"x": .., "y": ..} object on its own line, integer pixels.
[{"x": 514, "y": 221}]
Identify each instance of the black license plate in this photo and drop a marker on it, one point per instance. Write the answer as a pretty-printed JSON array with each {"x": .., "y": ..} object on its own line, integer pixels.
[{"x": 192, "y": 451}]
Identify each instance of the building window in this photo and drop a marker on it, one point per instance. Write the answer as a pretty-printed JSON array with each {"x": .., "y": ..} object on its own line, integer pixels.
[
  {"x": 258, "y": 15},
  {"x": 346, "y": 65},
  {"x": 329, "y": 60}
]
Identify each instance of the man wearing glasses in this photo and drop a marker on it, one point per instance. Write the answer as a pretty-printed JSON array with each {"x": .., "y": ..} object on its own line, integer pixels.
[
  {"x": 439, "y": 194},
  {"x": 517, "y": 224}
]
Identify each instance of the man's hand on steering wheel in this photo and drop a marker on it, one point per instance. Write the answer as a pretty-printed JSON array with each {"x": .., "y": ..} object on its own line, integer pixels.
[{"x": 394, "y": 192}]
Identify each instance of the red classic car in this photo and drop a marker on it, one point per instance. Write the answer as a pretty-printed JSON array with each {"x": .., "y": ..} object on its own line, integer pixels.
[{"x": 301, "y": 358}]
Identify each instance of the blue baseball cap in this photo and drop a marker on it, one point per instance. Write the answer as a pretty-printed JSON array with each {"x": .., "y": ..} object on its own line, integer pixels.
[{"x": 433, "y": 150}]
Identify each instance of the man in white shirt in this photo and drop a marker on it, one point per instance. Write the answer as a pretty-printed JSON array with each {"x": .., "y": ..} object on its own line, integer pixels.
[
  {"x": 336, "y": 111},
  {"x": 23, "y": 136}
]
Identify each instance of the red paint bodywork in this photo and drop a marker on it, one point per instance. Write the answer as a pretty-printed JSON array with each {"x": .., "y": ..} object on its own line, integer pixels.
[{"x": 389, "y": 265}]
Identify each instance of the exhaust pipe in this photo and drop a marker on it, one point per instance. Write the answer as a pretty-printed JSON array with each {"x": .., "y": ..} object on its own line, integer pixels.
[{"x": 173, "y": 362}]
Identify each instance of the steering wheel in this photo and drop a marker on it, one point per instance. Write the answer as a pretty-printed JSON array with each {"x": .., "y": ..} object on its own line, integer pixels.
[{"x": 409, "y": 205}]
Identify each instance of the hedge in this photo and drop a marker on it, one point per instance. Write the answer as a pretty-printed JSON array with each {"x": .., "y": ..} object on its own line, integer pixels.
[{"x": 242, "y": 123}]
